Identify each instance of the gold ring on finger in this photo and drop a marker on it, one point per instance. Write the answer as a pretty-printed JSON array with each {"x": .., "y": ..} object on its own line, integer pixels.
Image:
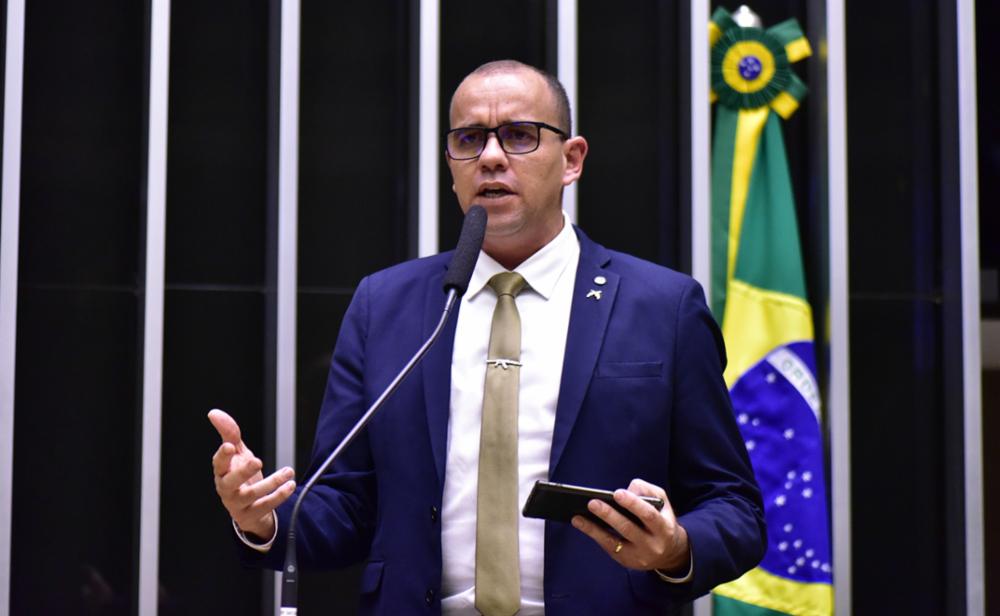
[{"x": 618, "y": 547}]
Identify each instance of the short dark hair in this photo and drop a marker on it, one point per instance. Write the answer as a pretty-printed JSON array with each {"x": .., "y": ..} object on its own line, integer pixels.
[{"x": 564, "y": 117}]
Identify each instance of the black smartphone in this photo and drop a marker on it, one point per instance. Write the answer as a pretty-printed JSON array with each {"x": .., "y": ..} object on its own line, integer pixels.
[{"x": 560, "y": 502}]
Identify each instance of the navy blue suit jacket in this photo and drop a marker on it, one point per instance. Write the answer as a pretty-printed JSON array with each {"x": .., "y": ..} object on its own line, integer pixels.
[{"x": 642, "y": 395}]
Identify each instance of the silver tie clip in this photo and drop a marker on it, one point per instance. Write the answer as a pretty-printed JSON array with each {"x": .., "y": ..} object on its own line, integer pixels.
[{"x": 504, "y": 363}]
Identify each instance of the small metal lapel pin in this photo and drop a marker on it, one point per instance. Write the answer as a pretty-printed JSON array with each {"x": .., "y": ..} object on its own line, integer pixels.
[{"x": 596, "y": 294}]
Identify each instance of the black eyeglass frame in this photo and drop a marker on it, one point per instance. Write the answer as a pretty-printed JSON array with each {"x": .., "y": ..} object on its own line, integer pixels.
[{"x": 495, "y": 130}]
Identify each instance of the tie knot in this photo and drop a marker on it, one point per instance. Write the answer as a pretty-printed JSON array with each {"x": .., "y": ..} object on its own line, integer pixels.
[{"x": 507, "y": 283}]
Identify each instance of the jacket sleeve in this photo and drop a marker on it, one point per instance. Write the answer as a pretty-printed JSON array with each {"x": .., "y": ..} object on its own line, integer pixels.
[
  {"x": 337, "y": 517},
  {"x": 712, "y": 486}
]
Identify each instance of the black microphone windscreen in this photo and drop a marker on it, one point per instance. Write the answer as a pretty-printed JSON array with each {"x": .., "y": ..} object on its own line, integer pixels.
[{"x": 470, "y": 241}]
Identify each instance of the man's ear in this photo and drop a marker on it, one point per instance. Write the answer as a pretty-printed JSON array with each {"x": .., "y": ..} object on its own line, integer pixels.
[{"x": 575, "y": 150}]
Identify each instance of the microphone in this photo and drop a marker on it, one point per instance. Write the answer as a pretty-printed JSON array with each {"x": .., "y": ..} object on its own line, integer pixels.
[
  {"x": 467, "y": 251},
  {"x": 456, "y": 281}
]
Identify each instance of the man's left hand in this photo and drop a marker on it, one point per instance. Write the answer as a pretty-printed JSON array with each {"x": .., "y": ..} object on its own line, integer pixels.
[{"x": 658, "y": 543}]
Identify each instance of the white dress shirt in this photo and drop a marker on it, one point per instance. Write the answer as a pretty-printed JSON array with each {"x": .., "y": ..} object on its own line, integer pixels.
[{"x": 544, "y": 307}]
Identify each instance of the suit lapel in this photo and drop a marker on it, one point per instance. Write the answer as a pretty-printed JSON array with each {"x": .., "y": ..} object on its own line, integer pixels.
[
  {"x": 588, "y": 323},
  {"x": 436, "y": 370}
]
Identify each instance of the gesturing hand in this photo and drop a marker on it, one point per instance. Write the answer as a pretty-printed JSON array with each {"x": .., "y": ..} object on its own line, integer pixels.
[
  {"x": 246, "y": 494},
  {"x": 658, "y": 543}
]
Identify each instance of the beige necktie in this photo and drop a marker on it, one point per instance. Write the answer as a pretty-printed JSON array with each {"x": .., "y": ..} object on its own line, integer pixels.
[{"x": 498, "y": 574}]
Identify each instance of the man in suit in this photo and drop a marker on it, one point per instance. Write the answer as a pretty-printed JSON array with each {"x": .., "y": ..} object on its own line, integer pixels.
[{"x": 617, "y": 382}]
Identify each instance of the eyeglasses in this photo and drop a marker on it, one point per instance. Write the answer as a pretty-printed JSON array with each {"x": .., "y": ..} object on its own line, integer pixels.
[{"x": 514, "y": 137}]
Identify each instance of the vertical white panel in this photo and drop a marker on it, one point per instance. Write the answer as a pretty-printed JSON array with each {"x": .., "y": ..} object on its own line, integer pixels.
[
  {"x": 701, "y": 197},
  {"x": 288, "y": 172},
  {"x": 152, "y": 347},
  {"x": 288, "y": 216},
  {"x": 430, "y": 153},
  {"x": 9, "y": 224},
  {"x": 567, "y": 54},
  {"x": 971, "y": 351},
  {"x": 839, "y": 399}
]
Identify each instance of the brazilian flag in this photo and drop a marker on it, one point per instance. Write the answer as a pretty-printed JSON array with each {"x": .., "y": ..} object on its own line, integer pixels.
[{"x": 758, "y": 286}]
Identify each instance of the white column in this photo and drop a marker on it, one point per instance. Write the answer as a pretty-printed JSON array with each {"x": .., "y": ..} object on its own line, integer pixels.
[
  {"x": 430, "y": 151},
  {"x": 971, "y": 350},
  {"x": 152, "y": 346},
  {"x": 287, "y": 267},
  {"x": 839, "y": 400},
  {"x": 567, "y": 53},
  {"x": 11, "y": 191},
  {"x": 288, "y": 216},
  {"x": 701, "y": 197}
]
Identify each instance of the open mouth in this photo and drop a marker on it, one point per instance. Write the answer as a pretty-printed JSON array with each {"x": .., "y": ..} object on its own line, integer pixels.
[{"x": 494, "y": 193}]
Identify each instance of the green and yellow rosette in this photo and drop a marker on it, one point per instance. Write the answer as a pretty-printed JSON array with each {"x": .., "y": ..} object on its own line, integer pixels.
[{"x": 751, "y": 68}]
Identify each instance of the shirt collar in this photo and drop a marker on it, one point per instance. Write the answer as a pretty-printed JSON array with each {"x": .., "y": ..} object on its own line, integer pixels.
[{"x": 541, "y": 270}]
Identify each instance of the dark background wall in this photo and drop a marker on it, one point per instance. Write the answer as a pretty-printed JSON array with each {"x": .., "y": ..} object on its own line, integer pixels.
[
  {"x": 634, "y": 70},
  {"x": 356, "y": 198},
  {"x": 905, "y": 300},
  {"x": 81, "y": 290},
  {"x": 79, "y": 308},
  {"x": 215, "y": 307},
  {"x": 988, "y": 92}
]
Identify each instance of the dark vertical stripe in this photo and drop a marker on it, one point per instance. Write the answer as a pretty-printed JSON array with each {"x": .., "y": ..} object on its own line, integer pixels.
[
  {"x": 356, "y": 206},
  {"x": 78, "y": 333},
  {"x": 948, "y": 159},
  {"x": 216, "y": 290},
  {"x": 628, "y": 112},
  {"x": 272, "y": 199}
]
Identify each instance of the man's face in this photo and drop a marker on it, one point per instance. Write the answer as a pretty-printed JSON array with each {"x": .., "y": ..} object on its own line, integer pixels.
[{"x": 522, "y": 193}]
